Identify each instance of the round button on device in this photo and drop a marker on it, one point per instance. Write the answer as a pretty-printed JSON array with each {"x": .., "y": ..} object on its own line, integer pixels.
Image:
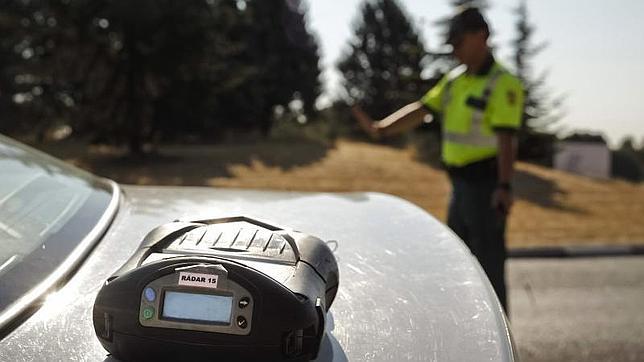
[
  {"x": 150, "y": 294},
  {"x": 244, "y": 302},
  {"x": 148, "y": 312},
  {"x": 242, "y": 322}
]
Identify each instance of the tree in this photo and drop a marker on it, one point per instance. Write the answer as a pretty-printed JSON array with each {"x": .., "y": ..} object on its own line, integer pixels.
[
  {"x": 158, "y": 70},
  {"x": 7, "y": 59},
  {"x": 481, "y": 4},
  {"x": 119, "y": 73},
  {"x": 382, "y": 67},
  {"x": 626, "y": 163},
  {"x": 21, "y": 46},
  {"x": 205, "y": 96},
  {"x": 540, "y": 110},
  {"x": 285, "y": 61},
  {"x": 628, "y": 145}
]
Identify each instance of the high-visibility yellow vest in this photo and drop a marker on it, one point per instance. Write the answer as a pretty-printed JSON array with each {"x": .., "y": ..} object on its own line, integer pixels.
[{"x": 473, "y": 108}]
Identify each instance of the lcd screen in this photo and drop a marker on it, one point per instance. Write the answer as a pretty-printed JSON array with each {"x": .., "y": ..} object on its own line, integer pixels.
[{"x": 199, "y": 307}]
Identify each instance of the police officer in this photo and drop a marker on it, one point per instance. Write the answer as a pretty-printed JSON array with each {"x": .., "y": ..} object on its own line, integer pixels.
[{"x": 481, "y": 105}]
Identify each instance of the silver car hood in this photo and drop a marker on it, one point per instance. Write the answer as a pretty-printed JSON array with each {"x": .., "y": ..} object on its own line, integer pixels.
[{"x": 409, "y": 288}]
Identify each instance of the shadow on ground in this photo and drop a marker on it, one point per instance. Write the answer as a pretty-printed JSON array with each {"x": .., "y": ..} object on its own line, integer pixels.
[
  {"x": 187, "y": 165},
  {"x": 541, "y": 191},
  {"x": 528, "y": 186},
  {"x": 197, "y": 165}
]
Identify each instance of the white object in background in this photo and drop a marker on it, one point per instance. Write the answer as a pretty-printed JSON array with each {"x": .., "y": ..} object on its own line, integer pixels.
[{"x": 584, "y": 158}]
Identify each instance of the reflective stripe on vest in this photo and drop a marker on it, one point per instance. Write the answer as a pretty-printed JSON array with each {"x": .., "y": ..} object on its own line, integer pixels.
[
  {"x": 447, "y": 93},
  {"x": 476, "y": 135}
]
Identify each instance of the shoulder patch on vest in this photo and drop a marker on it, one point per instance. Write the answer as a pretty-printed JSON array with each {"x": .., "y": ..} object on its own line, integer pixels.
[{"x": 512, "y": 97}]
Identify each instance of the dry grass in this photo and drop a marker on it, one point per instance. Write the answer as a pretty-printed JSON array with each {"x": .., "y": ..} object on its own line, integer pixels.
[{"x": 552, "y": 208}]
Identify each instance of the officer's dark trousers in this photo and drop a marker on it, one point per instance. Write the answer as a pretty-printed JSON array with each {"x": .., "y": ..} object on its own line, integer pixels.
[{"x": 472, "y": 217}]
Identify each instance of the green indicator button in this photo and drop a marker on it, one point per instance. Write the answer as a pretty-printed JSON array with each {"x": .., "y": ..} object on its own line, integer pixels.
[{"x": 148, "y": 312}]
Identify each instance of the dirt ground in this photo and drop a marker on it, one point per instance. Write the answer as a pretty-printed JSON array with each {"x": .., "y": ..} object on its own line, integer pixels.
[{"x": 552, "y": 208}]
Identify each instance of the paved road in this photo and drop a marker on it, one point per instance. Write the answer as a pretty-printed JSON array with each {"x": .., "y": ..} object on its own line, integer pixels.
[{"x": 587, "y": 309}]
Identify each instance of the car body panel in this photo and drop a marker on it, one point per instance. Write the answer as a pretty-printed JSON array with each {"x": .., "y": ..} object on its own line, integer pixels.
[{"x": 409, "y": 288}]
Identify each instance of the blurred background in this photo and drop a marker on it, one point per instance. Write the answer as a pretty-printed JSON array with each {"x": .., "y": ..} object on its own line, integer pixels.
[{"x": 256, "y": 94}]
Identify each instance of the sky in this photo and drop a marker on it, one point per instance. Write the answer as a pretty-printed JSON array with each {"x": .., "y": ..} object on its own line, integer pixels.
[{"x": 594, "y": 57}]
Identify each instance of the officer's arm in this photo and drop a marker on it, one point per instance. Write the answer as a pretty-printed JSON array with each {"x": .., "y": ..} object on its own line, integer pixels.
[
  {"x": 507, "y": 155},
  {"x": 502, "y": 198},
  {"x": 507, "y": 101},
  {"x": 404, "y": 119}
]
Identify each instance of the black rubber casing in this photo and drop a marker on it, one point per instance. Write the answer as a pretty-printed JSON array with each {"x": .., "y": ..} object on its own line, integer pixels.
[{"x": 288, "y": 313}]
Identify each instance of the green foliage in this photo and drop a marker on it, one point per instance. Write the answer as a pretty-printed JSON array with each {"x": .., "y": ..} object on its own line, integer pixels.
[
  {"x": 20, "y": 46},
  {"x": 481, "y": 4},
  {"x": 381, "y": 70},
  {"x": 628, "y": 145},
  {"x": 587, "y": 137},
  {"x": 320, "y": 130},
  {"x": 625, "y": 165},
  {"x": 285, "y": 58},
  {"x": 541, "y": 111},
  {"x": 628, "y": 161},
  {"x": 161, "y": 69}
]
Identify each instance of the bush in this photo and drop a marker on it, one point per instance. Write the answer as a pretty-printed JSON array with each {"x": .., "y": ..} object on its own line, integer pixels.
[{"x": 625, "y": 165}]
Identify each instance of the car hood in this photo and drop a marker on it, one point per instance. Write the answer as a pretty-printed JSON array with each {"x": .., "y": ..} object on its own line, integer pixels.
[{"x": 409, "y": 288}]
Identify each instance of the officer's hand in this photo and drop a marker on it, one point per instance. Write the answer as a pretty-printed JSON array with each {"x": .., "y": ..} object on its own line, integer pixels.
[
  {"x": 365, "y": 122},
  {"x": 502, "y": 201}
]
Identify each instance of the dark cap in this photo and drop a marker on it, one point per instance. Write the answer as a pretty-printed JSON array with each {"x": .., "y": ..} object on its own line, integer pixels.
[{"x": 467, "y": 20}]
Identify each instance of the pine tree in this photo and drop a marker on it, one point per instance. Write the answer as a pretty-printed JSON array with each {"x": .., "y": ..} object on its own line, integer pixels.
[
  {"x": 536, "y": 142},
  {"x": 118, "y": 73},
  {"x": 9, "y": 57},
  {"x": 481, "y": 4},
  {"x": 626, "y": 162},
  {"x": 285, "y": 58},
  {"x": 540, "y": 111},
  {"x": 382, "y": 67},
  {"x": 162, "y": 69},
  {"x": 25, "y": 100},
  {"x": 628, "y": 144}
]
